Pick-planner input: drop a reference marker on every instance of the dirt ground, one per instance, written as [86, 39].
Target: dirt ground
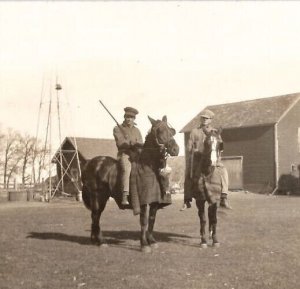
[46, 245]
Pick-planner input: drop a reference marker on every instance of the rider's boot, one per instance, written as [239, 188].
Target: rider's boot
[125, 198]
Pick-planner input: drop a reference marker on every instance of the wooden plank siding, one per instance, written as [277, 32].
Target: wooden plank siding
[256, 145]
[234, 166]
[288, 146]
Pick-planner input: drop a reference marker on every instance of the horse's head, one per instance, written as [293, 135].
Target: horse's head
[163, 135]
[213, 145]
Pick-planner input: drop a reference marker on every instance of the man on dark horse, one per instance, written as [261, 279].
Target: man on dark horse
[129, 142]
[195, 147]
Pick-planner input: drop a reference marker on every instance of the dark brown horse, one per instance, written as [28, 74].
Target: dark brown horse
[101, 180]
[209, 185]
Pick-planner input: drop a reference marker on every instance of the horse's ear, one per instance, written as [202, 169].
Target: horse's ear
[220, 129]
[153, 121]
[165, 118]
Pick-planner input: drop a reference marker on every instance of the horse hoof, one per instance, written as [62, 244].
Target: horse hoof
[154, 245]
[146, 249]
[203, 245]
[95, 242]
[216, 244]
[103, 245]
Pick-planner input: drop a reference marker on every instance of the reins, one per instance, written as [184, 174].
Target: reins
[160, 147]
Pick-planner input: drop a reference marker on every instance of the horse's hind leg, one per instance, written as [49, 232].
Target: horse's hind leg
[98, 204]
[144, 226]
[212, 217]
[151, 221]
[201, 214]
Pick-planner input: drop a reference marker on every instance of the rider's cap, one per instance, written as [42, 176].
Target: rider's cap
[130, 111]
[206, 113]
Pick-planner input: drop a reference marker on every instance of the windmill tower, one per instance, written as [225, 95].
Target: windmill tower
[56, 166]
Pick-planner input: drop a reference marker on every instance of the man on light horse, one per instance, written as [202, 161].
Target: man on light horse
[195, 147]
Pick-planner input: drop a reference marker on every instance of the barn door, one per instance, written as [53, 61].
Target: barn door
[234, 166]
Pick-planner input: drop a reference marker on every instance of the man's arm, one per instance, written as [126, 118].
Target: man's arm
[139, 138]
[190, 143]
[121, 141]
[138, 142]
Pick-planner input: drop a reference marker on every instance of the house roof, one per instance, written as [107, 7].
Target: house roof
[92, 147]
[264, 111]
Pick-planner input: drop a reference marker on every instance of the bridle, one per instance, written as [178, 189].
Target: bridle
[163, 147]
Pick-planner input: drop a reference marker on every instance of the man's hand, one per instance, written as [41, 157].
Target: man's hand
[136, 145]
[125, 146]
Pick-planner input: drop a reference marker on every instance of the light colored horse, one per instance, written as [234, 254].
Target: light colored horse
[210, 185]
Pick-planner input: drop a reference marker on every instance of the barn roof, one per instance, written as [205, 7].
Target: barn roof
[264, 111]
[91, 147]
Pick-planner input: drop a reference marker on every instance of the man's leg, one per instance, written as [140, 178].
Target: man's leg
[225, 183]
[125, 172]
[187, 193]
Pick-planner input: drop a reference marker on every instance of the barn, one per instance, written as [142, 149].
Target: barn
[87, 148]
[262, 142]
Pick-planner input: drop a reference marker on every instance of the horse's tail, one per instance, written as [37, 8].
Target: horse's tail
[86, 197]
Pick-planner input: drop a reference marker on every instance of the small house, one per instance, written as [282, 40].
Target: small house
[75, 152]
[261, 142]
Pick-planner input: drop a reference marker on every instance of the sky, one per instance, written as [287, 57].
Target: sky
[163, 58]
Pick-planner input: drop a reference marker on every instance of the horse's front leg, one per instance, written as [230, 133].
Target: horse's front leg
[212, 217]
[201, 213]
[144, 226]
[151, 222]
[97, 207]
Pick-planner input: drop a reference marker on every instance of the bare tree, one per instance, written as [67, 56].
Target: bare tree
[38, 161]
[27, 149]
[2, 146]
[12, 155]
[21, 155]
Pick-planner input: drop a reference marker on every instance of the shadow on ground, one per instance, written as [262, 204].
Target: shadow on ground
[111, 237]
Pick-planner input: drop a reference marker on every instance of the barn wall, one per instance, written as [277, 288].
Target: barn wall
[256, 145]
[289, 148]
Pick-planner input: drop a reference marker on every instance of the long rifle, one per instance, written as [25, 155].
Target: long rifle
[119, 126]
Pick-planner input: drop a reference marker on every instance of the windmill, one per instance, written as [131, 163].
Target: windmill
[56, 165]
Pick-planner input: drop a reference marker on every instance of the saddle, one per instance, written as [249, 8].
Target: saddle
[210, 186]
[144, 188]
